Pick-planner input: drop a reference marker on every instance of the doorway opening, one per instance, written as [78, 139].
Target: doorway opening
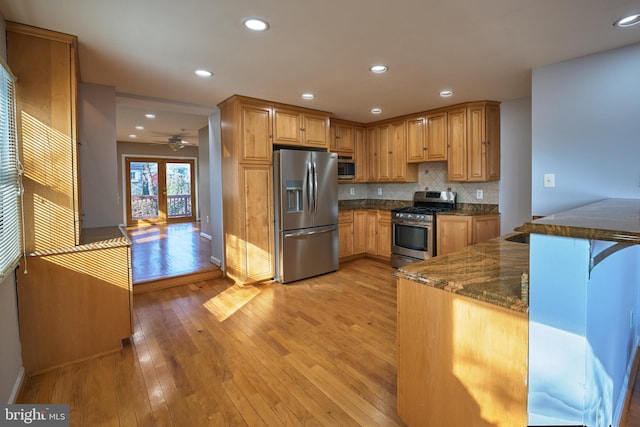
[160, 191]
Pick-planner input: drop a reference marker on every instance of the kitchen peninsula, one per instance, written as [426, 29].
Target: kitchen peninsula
[465, 332]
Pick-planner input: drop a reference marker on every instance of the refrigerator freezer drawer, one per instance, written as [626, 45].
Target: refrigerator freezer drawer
[307, 253]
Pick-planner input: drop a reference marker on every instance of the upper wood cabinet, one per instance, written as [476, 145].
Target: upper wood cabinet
[361, 155]
[342, 137]
[427, 138]
[474, 142]
[388, 156]
[45, 63]
[301, 128]
[255, 129]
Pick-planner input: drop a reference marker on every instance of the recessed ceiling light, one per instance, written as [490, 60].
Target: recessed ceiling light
[150, 116]
[379, 69]
[256, 24]
[628, 21]
[204, 73]
[139, 127]
[376, 110]
[133, 136]
[308, 96]
[446, 93]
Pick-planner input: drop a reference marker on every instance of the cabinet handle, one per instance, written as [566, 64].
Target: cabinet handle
[485, 142]
[425, 148]
[302, 129]
[390, 152]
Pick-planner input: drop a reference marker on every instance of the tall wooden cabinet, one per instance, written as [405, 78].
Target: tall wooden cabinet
[474, 142]
[46, 65]
[246, 130]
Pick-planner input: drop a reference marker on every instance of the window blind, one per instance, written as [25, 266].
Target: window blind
[10, 176]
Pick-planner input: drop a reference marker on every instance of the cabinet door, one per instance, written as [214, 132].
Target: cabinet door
[457, 138]
[436, 137]
[476, 147]
[287, 127]
[416, 140]
[360, 231]
[258, 221]
[384, 234]
[384, 154]
[373, 134]
[255, 125]
[492, 139]
[453, 233]
[372, 235]
[345, 234]
[398, 148]
[485, 227]
[344, 138]
[361, 155]
[315, 130]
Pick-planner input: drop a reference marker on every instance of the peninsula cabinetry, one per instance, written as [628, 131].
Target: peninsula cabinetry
[458, 231]
[468, 368]
[474, 142]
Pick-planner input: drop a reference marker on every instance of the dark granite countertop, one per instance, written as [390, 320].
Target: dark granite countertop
[348, 205]
[614, 220]
[490, 271]
[469, 209]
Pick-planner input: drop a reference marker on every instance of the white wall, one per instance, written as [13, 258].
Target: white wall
[98, 160]
[215, 176]
[10, 349]
[204, 186]
[515, 164]
[585, 118]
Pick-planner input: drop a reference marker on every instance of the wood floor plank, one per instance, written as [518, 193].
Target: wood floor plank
[319, 352]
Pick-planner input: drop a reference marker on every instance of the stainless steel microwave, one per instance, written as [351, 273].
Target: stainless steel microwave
[346, 168]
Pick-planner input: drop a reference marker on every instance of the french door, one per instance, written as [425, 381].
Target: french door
[160, 190]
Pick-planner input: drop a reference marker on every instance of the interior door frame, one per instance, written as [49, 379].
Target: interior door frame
[126, 188]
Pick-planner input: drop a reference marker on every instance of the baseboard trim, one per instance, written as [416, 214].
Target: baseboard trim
[215, 261]
[17, 386]
[206, 236]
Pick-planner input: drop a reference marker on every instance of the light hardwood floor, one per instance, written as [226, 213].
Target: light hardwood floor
[317, 352]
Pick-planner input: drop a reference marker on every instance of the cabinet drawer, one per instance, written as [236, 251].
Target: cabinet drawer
[345, 217]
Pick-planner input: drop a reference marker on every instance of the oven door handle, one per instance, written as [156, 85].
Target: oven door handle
[412, 223]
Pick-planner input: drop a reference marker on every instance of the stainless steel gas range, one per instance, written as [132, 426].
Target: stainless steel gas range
[413, 236]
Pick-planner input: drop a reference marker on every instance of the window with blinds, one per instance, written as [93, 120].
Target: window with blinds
[9, 175]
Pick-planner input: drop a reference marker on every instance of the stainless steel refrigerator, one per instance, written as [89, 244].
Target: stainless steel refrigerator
[306, 213]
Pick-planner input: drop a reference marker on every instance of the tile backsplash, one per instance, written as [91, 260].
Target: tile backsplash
[433, 177]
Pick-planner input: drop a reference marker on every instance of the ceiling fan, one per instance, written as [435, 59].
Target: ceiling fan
[175, 141]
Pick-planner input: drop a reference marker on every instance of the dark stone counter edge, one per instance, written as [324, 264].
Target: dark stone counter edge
[580, 232]
[91, 239]
[510, 303]
[463, 208]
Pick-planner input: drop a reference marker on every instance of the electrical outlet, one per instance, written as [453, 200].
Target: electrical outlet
[479, 194]
[549, 180]
[379, 191]
[352, 191]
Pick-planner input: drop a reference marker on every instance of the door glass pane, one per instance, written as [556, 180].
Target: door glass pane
[178, 190]
[144, 190]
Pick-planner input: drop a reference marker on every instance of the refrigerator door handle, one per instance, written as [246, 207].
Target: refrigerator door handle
[315, 188]
[309, 233]
[309, 187]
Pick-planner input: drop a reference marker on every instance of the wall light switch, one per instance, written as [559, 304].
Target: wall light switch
[352, 191]
[379, 191]
[549, 180]
[479, 194]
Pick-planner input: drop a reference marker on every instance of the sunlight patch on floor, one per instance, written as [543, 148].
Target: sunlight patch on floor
[232, 299]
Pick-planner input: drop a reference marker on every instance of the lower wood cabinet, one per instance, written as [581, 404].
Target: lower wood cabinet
[455, 232]
[461, 361]
[364, 231]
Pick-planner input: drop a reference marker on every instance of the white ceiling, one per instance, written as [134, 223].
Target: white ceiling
[481, 49]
